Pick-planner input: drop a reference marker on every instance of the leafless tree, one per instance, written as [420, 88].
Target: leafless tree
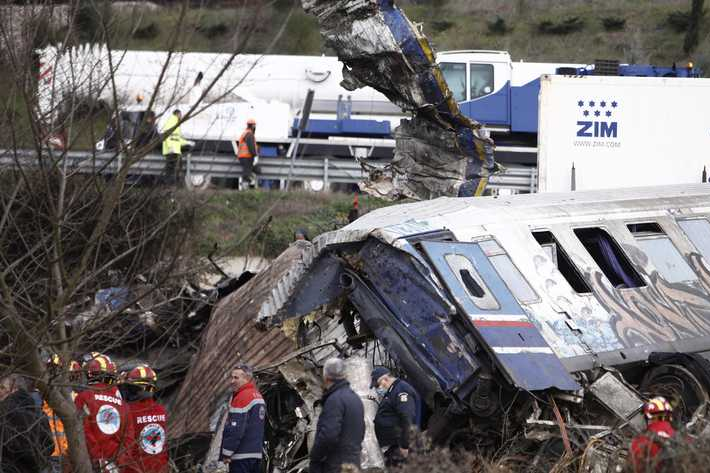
[69, 230]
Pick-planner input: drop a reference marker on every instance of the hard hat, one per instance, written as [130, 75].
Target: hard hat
[54, 361]
[251, 121]
[143, 376]
[657, 407]
[74, 366]
[100, 366]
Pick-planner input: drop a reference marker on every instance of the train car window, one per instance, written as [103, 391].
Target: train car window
[455, 75]
[481, 77]
[469, 278]
[698, 232]
[662, 252]
[508, 272]
[609, 257]
[559, 258]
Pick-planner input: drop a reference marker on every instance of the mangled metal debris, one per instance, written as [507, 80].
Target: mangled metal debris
[474, 309]
[439, 151]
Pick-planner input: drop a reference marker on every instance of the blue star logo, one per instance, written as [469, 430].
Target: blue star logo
[580, 103]
[591, 103]
[586, 113]
[602, 104]
[614, 104]
[596, 113]
[608, 113]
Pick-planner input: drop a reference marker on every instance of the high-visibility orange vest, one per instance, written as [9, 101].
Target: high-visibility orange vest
[57, 428]
[243, 151]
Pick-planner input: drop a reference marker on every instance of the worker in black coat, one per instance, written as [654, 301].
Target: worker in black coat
[26, 442]
[397, 412]
[341, 425]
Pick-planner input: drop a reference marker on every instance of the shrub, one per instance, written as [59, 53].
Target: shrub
[441, 25]
[611, 23]
[498, 26]
[213, 31]
[566, 26]
[150, 31]
[678, 21]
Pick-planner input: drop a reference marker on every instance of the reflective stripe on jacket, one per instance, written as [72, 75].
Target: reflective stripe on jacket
[172, 143]
[247, 145]
[243, 436]
[57, 428]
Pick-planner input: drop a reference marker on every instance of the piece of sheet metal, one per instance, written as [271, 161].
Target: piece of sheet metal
[503, 328]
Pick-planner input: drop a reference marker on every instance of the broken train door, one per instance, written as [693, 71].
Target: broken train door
[496, 318]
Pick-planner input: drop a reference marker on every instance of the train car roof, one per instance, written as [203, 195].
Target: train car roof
[459, 214]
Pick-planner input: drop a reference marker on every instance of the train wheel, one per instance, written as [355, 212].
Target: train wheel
[679, 386]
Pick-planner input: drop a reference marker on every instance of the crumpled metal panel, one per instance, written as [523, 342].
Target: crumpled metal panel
[285, 285]
[382, 49]
[233, 336]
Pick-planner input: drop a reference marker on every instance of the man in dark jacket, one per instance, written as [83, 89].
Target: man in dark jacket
[341, 425]
[25, 439]
[243, 437]
[397, 413]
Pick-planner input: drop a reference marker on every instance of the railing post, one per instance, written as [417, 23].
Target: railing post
[325, 173]
[188, 171]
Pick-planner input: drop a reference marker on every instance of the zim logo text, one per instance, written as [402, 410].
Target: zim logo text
[596, 120]
[597, 129]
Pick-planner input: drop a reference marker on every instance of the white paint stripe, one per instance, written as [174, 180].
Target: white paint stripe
[500, 318]
[520, 350]
[242, 410]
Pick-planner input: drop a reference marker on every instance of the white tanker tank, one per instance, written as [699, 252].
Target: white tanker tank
[270, 88]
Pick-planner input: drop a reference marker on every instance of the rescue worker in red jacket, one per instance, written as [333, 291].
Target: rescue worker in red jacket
[248, 152]
[243, 436]
[646, 447]
[105, 415]
[149, 446]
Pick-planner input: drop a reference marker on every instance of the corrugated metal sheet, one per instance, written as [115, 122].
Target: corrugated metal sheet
[233, 337]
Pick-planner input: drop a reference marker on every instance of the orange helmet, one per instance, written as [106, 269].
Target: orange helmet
[251, 121]
[100, 366]
[144, 376]
[657, 407]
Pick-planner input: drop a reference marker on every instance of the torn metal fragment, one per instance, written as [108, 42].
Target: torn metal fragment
[382, 49]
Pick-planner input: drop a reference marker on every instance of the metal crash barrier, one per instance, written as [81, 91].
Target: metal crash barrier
[201, 168]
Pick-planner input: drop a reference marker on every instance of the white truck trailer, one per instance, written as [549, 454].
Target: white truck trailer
[599, 132]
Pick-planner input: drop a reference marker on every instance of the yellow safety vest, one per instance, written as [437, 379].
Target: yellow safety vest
[172, 144]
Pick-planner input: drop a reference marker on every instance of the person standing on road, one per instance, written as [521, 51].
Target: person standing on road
[341, 425]
[243, 437]
[149, 446]
[397, 412]
[172, 146]
[248, 152]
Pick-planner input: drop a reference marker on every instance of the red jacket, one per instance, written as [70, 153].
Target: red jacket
[646, 446]
[106, 424]
[149, 448]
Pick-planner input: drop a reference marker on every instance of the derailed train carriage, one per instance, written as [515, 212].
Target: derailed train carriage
[548, 316]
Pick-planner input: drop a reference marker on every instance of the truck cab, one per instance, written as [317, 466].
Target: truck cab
[503, 95]
[493, 90]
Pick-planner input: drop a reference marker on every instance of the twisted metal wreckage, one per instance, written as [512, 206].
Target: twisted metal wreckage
[439, 151]
[537, 320]
[542, 318]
